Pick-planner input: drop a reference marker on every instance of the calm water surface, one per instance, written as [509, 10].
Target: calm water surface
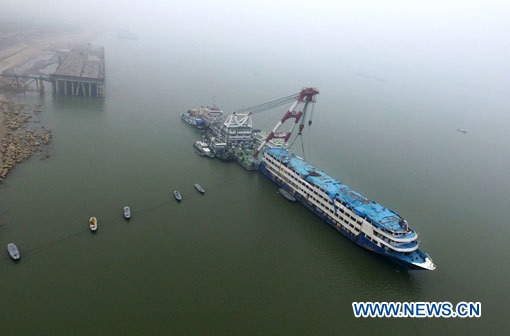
[240, 259]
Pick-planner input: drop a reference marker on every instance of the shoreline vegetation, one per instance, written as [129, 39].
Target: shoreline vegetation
[21, 51]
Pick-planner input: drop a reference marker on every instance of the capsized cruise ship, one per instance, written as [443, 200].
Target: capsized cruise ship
[365, 222]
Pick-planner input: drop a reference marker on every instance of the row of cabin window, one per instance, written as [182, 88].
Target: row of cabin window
[291, 183]
[343, 204]
[338, 224]
[377, 234]
[378, 243]
[348, 223]
[317, 200]
[328, 200]
[373, 240]
[342, 218]
[390, 232]
[388, 240]
[306, 185]
[355, 229]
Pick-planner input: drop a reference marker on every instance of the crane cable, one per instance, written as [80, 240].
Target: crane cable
[276, 101]
[302, 147]
[302, 144]
[269, 105]
[310, 126]
[292, 143]
[300, 134]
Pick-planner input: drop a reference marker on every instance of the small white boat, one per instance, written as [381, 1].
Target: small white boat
[177, 195]
[199, 188]
[287, 195]
[93, 224]
[127, 212]
[13, 251]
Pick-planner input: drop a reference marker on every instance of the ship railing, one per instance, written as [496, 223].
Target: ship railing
[401, 239]
[397, 248]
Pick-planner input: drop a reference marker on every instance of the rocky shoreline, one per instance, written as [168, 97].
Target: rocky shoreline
[19, 142]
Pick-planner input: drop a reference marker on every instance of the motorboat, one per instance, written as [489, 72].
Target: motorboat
[199, 188]
[13, 251]
[177, 195]
[286, 194]
[127, 212]
[93, 224]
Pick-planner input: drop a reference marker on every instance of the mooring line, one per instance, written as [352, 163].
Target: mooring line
[139, 212]
[106, 222]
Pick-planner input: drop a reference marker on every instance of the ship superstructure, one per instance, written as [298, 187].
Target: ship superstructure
[237, 129]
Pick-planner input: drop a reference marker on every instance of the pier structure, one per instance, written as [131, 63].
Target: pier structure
[80, 73]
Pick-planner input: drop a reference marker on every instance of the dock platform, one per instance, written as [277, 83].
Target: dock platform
[81, 73]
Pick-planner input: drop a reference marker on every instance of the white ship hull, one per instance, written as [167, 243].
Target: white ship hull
[401, 248]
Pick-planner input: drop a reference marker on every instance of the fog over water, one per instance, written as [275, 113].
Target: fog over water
[460, 44]
[396, 80]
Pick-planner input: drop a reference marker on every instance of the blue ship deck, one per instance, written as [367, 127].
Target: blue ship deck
[375, 213]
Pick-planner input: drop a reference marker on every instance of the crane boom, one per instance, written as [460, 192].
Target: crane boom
[305, 97]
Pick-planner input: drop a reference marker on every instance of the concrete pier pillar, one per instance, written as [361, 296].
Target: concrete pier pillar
[90, 90]
[100, 92]
[72, 88]
[65, 87]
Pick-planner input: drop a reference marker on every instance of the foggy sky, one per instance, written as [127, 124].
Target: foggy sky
[436, 59]
[449, 28]
[462, 41]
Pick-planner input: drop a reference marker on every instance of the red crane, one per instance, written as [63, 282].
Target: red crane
[304, 98]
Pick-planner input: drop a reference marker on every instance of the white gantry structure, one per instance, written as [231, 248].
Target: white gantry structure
[237, 129]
